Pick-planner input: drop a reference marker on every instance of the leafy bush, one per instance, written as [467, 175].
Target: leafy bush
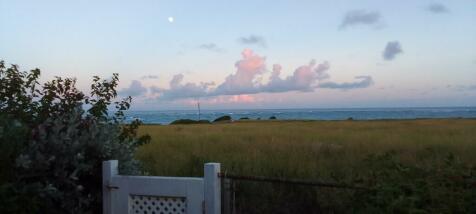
[52, 149]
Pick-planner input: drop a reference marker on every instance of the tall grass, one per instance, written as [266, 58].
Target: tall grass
[353, 152]
[302, 149]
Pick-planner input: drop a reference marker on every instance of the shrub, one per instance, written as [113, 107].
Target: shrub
[189, 121]
[396, 187]
[52, 149]
[224, 118]
[204, 122]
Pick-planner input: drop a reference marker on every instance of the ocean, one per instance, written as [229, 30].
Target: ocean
[166, 117]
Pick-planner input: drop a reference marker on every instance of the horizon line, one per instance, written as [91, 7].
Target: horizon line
[308, 108]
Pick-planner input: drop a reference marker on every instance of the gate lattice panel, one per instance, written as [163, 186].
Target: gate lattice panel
[140, 204]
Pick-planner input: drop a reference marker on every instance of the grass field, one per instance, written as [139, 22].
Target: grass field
[419, 176]
[302, 149]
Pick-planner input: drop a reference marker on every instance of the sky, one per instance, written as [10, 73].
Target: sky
[253, 54]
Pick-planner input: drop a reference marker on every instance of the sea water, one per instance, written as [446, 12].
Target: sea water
[166, 117]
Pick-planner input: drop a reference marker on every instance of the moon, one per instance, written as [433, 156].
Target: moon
[171, 19]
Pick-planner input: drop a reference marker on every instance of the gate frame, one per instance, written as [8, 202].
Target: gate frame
[205, 191]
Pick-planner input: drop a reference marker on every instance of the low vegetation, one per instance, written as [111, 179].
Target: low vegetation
[412, 165]
[189, 121]
[224, 118]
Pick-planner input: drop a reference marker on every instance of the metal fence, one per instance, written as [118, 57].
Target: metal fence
[258, 194]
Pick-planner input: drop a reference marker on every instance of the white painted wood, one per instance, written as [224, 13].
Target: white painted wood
[109, 170]
[189, 188]
[118, 189]
[212, 189]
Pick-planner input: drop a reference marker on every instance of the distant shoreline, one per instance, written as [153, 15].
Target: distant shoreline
[310, 108]
[293, 120]
[166, 117]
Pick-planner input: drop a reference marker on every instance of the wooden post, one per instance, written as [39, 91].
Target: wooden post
[109, 169]
[212, 188]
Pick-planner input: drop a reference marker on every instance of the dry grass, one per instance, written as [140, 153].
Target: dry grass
[302, 149]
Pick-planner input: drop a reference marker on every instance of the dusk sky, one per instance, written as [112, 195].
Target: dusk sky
[253, 54]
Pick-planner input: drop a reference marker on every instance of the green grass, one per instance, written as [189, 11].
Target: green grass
[302, 149]
[421, 175]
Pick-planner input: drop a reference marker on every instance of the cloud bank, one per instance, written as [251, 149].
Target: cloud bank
[179, 90]
[247, 80]
[437, 8]
[392, 49]
[135, 89]
[149, 77]
[462, 87]
[211, 47]
[253, 40]
[360, 82]
[361, 17]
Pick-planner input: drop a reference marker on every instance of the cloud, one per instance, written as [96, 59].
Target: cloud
[253, 40]
[462, 87]
[243, 98]
[437, 8]
[149, 77]
[178, 90]
[211, 47]
[361, 17]
[392, 49]
[135, 89]
[247, 79]
[304, 78]
[361, 82]
[243, 80]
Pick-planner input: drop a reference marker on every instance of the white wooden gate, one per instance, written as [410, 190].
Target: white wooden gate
[160, 195]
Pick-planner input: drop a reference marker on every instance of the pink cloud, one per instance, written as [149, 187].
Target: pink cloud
[247, 80]
[238, 99]
[304, 78]
[243, 80]
[243, 98]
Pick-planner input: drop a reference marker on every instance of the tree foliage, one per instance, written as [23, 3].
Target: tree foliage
[53, 139]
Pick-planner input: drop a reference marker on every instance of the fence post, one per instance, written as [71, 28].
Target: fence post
[226, 195]
[212, 188]
[109, 169]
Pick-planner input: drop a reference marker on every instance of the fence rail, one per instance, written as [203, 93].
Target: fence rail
[288, 181]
